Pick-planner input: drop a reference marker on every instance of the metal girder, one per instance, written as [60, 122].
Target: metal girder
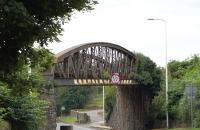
[92, 60]
[90, 82]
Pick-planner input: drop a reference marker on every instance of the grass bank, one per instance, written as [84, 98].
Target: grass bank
[67, 119]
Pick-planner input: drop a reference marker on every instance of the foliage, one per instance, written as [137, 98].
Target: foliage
[41, 59]
[21, 81]
[178, 69]
[24, 112]
[181, 74]
[110, 100]
[67, 119]
[147, 74]
[74, 97]
[25, 22]
[19, 97]
[80, 97]
[106, 75]
[95, 101]
[159, 106]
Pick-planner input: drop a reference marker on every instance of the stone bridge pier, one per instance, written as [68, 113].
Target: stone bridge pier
[128, 113]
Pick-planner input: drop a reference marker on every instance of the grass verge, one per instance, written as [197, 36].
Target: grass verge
[67, 119]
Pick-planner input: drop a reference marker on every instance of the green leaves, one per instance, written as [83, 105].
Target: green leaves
[181, 74]
[19, 98]
[75, 97]
[25, 22]
[26, 110]
[147, 74]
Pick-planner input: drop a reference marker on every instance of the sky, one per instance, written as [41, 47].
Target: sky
[124, 22]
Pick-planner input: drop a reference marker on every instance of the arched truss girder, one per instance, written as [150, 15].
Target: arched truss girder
[94, 61]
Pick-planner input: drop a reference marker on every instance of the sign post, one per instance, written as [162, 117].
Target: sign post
[62, 109]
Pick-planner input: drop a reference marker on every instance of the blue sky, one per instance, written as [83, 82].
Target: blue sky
[123, 22]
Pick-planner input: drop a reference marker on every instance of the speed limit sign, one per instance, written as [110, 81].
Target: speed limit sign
[115, 78]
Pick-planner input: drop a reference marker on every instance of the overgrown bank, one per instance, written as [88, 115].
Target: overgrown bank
[183, 76]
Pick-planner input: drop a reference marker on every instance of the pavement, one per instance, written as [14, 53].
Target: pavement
[94, 115]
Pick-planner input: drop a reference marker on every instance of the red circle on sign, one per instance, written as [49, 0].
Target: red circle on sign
[115, 78]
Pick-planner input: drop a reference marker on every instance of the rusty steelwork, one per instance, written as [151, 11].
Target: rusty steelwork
[94, 61]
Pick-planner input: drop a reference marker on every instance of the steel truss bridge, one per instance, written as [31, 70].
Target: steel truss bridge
[92, 64]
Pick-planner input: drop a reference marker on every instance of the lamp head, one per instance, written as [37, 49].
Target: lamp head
[150, 19]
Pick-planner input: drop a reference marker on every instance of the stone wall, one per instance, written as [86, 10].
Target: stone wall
[48, 95]
[81, 116]
[128, 113]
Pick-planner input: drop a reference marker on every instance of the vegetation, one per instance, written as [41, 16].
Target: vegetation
[20, 104]
[147, 75]
[110, 100]
[25, 22]
[67, 119]
[80, 97]
[95, 101]
[181, 75]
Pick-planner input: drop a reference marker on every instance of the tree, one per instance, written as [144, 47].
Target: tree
[25, 22]
[24, 112]
[20, 103]
[74, 97]
[147, 75]
[181, 74]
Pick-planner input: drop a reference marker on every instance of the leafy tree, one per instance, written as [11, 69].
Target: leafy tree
[181, 73]
[25, 22]
[19, 97]
[24, 112]
[74, 97]
[149, 78]
[147, 75]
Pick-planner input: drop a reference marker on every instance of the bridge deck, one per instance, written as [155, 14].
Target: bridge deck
[83, 82]
[90, 82]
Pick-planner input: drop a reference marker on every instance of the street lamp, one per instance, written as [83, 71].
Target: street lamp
[166, 68]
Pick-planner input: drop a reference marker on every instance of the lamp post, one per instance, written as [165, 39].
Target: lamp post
[103, 105]
[166, 68]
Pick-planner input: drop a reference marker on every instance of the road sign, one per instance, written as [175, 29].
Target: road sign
[190, 91]
[115, 78]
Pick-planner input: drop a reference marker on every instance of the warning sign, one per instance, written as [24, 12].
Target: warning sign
[115, 78]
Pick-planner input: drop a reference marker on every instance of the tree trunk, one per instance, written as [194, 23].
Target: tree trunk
[128, 114]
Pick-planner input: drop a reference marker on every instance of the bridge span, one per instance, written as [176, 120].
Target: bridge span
[93, 64]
